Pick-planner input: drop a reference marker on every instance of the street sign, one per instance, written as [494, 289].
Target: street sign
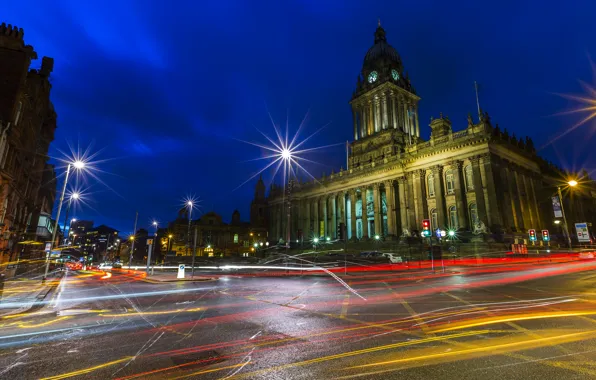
[583, 236]
[48, 247]
[149, 241]
[180, 271]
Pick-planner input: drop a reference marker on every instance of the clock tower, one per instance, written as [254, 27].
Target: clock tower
[384, 105]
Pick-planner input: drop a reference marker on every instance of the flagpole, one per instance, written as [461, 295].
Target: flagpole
[477, 101]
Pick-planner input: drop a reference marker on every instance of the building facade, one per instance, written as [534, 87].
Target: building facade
[479, 178]
[27, 125]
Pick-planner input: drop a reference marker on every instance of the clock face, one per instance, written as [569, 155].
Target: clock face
[372, 77]
[395, 74]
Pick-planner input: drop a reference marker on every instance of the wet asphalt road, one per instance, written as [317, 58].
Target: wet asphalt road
[524, 322]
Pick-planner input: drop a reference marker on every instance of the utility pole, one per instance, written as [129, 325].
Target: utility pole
[564, 217]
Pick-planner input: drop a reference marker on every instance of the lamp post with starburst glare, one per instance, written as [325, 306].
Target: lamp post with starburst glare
[78, 165]
[287, 154]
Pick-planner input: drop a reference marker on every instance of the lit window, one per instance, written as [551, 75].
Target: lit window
[450, 182]
[453, 218]
[434, 219]
[235, 238]
[469, 178]
[431, 185]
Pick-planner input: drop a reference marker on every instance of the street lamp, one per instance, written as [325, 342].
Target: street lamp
[73, 197]
[78, 164]
[189, 204]
[570, 183]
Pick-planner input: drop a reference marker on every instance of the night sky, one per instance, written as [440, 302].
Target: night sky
[164, 89]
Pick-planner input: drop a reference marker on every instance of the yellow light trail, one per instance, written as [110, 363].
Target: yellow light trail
[31, 326]
[153, 312]
[513, 318]
[366, 351]
[524, 344]
[87, 370]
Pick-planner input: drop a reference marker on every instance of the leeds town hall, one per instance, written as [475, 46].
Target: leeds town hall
[478, 178]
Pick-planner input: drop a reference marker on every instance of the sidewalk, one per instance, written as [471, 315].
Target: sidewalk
[22, 295]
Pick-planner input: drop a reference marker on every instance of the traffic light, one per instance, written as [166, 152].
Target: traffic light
[532, 234]
[426, 228]
[545, 236]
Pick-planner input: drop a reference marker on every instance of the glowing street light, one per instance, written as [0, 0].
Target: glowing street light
[571, 183]
[79, 165]
[377, 237]
[451, 233]
[315, 240]
[557, 221]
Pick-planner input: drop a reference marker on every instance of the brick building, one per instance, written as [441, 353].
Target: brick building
[27, 125]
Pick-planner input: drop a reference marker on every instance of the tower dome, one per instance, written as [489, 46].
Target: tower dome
[382, 64]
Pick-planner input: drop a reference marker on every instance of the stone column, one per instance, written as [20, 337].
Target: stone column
[422, 203]
[460, 195]
[523, 204]
[363, 192]
[515, 208]
[371, 119]
[352, 193]
[494, 213]
[405, 117]
[393, 109]
[377, 209]
[316, 223]
[307, 229]
[355, 118]
[539, 220]
[332, 217]
[377, 114]
[403, 208]
[416, 117]
[363, 121]
[527, 190]
[390, 195]
[411, 207]
[341, 212]
[479, 190]
[439, 196]
[385, 116]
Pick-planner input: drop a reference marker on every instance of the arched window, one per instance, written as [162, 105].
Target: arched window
[453, 218]
[473, 214]
[469, 178]
[450, 181]
[434, 220]
[235, 238]
[430, 180]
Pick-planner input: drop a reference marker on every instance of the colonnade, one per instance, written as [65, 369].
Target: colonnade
[385, 110]
[457, 195]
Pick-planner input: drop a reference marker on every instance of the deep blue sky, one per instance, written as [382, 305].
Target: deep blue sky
[165, 87]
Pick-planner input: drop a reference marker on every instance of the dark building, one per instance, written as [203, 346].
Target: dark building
[27, 125]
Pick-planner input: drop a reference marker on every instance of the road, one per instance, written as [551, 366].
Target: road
[520, 322]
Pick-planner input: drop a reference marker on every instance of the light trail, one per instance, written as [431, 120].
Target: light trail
[515, 318]
[513, 346]
[14, 305]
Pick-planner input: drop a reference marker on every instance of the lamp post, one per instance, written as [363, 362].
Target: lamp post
[73, 197]
[77, 165]
[571, 183]
[189, 204]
